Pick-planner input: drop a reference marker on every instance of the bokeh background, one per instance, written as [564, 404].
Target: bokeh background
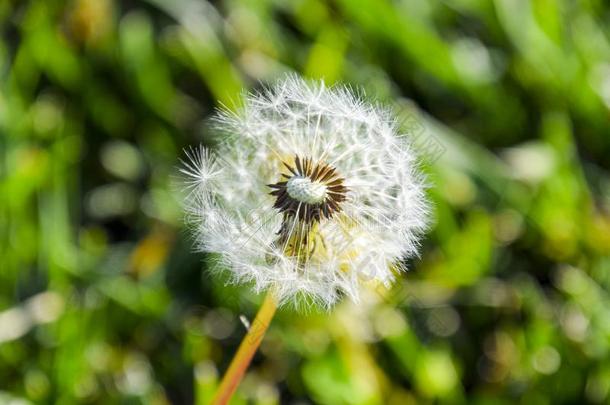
[102, 299]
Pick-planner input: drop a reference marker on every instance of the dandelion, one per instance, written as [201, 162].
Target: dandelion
[311, 195]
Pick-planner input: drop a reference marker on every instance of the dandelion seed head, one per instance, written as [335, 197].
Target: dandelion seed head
[312, 192]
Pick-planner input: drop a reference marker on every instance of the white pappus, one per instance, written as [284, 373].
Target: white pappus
[312, 192]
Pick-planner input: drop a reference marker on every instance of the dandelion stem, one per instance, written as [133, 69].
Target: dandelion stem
[246, 351]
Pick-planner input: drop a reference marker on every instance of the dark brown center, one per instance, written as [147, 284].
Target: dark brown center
[310, 191]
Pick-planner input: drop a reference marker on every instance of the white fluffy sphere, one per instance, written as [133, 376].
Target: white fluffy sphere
[311, 192]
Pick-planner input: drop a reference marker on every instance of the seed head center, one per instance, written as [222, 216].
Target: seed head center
[312, 191]
[302, 189]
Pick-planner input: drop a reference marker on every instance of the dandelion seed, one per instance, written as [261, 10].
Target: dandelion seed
[312, 192]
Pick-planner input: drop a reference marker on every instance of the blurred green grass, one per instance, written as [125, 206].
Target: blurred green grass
[103, 301]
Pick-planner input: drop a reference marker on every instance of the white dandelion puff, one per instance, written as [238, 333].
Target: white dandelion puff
[312, 192]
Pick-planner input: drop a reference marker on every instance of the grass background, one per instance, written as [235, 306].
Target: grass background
[103, 301]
